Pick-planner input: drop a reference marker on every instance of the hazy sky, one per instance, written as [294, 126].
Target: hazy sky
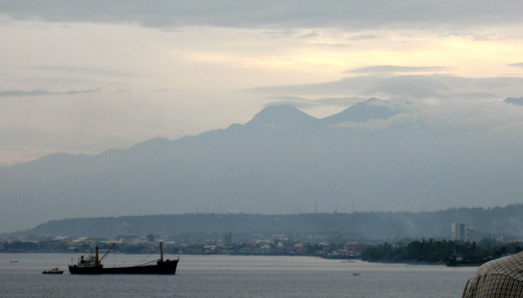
[86, 76]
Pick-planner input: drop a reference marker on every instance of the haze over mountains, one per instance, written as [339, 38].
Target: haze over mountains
[373, 156]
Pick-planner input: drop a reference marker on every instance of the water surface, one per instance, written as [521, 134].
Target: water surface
[232, 276]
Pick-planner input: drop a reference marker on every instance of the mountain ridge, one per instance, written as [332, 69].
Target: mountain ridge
[361, 112]
[300, 165]
[361, 226]
[516, 101]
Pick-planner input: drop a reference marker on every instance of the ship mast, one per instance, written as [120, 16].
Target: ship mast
[161, 252]
[97, 261]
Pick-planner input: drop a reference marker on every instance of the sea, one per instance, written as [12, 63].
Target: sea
[232, 276]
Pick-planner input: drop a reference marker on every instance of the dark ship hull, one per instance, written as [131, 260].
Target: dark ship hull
[93, 265]
[460, 262]
[53, 271]
[165, 267]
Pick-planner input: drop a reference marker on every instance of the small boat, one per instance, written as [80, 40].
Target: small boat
[461, 262]
[13, 261]
[93, 265]
[53, 271]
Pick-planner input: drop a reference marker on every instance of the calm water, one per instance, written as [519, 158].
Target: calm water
[232, 276]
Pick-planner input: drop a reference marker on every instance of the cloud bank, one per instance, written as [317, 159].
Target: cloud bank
[415, 87]
[395, 69]
[308, 13]
[42, 92]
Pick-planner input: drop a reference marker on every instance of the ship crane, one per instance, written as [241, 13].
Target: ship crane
[99, 261]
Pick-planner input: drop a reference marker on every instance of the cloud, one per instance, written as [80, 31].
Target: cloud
[42, 92]
[395, 69]
[420, 87]
[363, 37]
[304, 103]
[161, 90]
[84, 70]
[411, 87]
[483, 121]
[294, 13]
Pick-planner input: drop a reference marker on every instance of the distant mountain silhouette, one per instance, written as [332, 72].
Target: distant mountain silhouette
[282, 117]
[517, 101]
[362, 112]
[282, 161]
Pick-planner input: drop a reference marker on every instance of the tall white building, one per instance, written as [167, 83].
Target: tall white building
[459, 232]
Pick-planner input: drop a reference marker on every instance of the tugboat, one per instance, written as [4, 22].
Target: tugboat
[459, 261]
[53, 271]
[93, 265]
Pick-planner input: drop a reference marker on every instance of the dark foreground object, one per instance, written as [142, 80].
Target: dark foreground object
[93, 265]
[501, 278]
[459, 262]
[165, 267]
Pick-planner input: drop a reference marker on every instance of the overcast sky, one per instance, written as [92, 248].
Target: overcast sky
[87, 76]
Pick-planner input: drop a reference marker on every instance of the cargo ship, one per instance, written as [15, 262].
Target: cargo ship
[93, 265]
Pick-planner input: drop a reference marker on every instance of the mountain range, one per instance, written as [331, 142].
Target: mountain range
[365, 158]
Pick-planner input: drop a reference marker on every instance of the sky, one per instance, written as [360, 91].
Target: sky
[88, 76]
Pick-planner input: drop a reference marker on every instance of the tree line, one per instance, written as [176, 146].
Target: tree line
[440, 251]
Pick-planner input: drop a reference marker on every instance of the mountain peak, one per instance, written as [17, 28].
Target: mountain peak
[516, 101]
[280, 116]
[362, 112]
